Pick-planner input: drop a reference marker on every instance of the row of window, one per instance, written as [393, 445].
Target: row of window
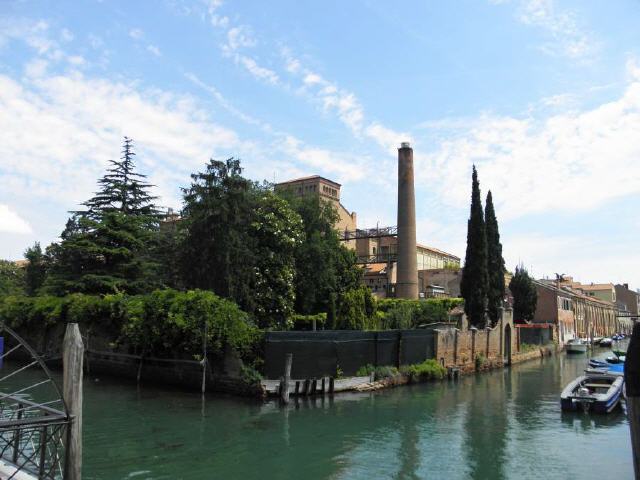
[330, 191]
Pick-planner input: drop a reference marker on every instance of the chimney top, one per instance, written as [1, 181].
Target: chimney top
[405, 145]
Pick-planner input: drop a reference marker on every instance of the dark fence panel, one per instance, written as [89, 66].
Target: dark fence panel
[416, 346]
[387, 348]
[535, 336]
[321, 353]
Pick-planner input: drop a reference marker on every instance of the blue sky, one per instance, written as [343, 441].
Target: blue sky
[542, 95]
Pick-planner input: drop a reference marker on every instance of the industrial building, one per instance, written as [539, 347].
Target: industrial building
[381, 250]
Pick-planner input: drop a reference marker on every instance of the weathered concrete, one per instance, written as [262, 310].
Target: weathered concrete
[407, 277]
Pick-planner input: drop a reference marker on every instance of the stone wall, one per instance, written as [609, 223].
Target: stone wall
[461, 348]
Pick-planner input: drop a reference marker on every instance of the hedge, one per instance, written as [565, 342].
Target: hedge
[403, 313]
[165, 323]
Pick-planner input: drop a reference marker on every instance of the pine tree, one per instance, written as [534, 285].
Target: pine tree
[474, 283]
[123, 190]
[109, 247]
[525, 296]
[495, 262]
[36, 269]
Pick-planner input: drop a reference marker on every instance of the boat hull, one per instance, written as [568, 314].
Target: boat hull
[576, 348]
[580, 393]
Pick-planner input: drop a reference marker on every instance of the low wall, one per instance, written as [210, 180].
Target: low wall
[179, 373]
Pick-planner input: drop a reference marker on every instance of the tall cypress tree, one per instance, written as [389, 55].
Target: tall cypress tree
[495, 262]
[474, 283]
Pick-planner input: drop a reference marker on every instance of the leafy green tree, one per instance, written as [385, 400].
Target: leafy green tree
[35, 270]
[356, 310]
[325, 268]
[109, 247]
[218, 252]
[495, 262]
[277, 230]
[474, 283]
[11, 278]
[525, 296]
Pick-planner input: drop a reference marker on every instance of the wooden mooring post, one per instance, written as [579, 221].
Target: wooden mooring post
[632, 384]
[286, 379]
[72, 357]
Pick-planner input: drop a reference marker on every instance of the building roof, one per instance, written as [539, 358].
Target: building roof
[435, 250]
[594, 286]
[311, 177]
[375, 268]
[550, 284]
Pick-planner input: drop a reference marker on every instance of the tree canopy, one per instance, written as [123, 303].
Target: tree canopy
[525, 296]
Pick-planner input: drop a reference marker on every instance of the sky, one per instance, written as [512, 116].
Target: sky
[543, 96]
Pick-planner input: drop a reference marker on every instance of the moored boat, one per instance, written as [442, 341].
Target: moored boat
[597, 392]
[576, 345]
[605, 342]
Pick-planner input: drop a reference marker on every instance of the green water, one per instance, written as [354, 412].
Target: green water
[504, 424]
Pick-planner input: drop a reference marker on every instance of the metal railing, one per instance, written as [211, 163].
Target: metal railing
[33, 417]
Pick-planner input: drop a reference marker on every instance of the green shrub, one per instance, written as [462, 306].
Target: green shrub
[383, 372]
[365, 370]
[249, 375]
[164, 323]
[403, 314]
[356, 310]
[427, 370]
[480, 360]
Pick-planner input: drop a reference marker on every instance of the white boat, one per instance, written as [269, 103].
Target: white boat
[576, 345]
[605, 342]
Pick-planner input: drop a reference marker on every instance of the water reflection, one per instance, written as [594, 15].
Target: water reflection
[498, 425]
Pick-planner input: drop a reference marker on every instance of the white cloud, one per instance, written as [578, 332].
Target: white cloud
[566, 162]
[240, 37]
[59, 131]
[568, 38]
[11, 222]
[154, 50]
[256, 70]
[136, 33]
[66, 35]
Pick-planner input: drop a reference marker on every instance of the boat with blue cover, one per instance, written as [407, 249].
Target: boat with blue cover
[595, 391]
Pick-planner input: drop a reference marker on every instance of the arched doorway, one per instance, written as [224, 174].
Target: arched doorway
[507, 345]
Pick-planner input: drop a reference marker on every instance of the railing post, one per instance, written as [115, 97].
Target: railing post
[16, 438]
[72, 391]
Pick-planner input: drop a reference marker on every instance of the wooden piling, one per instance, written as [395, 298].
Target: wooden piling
[297, 387]
[331, 384]
[307, 386]
[314, 386]
[73, 351]
[632, 384]
[286, 379]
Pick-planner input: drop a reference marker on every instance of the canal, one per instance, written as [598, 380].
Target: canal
[499, 425]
